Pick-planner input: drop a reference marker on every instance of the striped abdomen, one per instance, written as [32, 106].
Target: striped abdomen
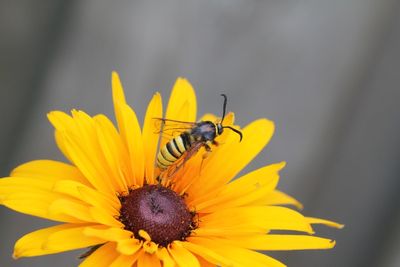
[173, 150]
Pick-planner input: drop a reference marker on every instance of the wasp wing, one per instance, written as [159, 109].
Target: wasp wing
[171, 128]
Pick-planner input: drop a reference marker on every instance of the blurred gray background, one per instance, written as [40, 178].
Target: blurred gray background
[327, 72]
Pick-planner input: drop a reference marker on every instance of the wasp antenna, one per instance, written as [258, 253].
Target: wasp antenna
[236, 131]
[224, 107]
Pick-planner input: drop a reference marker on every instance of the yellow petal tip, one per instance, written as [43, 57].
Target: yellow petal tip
[157, 94]
[150, 247]
[329, 223]
[282, 165]
[156, 97]
[181, 78]
[117, 88]
[50, 113]
[144, 235]
[269, 122]
[340, 226]
[114, 76]
[15, 256]
[56, 117]
[335, 225]
[183, 85]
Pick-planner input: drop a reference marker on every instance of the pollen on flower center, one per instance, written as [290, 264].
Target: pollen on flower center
[157, 210]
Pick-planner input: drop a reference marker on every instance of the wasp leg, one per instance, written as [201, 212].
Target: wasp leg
[205, 155]
[207, 146]
[215, 143]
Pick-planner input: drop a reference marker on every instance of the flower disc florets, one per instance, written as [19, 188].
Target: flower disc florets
[157, 210]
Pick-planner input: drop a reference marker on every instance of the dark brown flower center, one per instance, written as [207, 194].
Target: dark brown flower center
[159, 211]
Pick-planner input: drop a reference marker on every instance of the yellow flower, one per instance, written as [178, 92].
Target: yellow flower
[108, 199]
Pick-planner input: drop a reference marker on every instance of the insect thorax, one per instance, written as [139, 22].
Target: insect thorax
[204, 131]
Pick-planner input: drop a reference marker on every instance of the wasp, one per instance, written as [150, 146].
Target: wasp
[195, 135]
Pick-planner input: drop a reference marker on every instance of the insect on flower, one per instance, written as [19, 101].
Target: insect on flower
[192, 136]
[108, 199]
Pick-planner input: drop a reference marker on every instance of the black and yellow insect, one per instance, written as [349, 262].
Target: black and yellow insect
[194, 136]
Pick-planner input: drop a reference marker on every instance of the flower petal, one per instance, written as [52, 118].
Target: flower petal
[207, 253]
[125, 260]
[239, 256]
[129, 246]
[100, 216]
[254, 219]
[242, 191]
[115, 153]
[182, 94]
[312, 220]
[166, 259]
[95, 147]
[204, 263]
[107, 234]
[49, 170]
[135, 145]
[117, 90]
[151, 136]
[148, 260]
[277, 197]
[10, 185]
[280, 242]
[82, 212]
[126, 244]
[61, 121]
[101, 257]
[255, 136]
[31, 197]
[88, 195]
[182, 256]
[53, 239]
[61, 145]
[72, 208]
[70, 239]
[84, 150]
[182, 105]
[130, 132]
